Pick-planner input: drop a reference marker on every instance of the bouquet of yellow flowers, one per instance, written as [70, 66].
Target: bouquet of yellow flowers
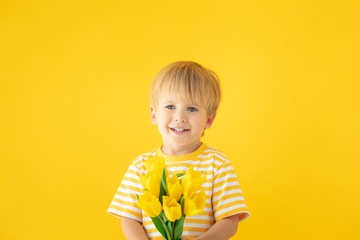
[168, 200]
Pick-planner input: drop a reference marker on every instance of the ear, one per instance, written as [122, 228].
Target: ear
[210, 121]
[153, 115]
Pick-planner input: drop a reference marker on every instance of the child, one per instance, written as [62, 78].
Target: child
[184, 98]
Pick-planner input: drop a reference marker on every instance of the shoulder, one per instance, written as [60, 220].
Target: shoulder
[140, 159]
[220, 160]
[216, 154]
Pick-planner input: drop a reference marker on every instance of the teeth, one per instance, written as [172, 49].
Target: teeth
[179, 129]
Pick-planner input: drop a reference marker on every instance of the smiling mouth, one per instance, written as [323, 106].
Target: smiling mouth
[179, 130]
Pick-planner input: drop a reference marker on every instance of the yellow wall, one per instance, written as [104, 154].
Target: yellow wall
[74, 79]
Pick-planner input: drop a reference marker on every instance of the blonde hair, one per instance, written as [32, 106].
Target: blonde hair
[191, 81]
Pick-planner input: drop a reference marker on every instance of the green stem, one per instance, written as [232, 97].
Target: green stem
[173, 229]
[165, 227]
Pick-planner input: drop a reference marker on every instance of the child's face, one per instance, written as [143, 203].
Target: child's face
[181, 123]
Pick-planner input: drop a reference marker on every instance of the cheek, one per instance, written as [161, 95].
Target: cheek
[199, 122]
[163, 118]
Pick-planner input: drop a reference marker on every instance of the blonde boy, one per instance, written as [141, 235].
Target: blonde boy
[184, 98]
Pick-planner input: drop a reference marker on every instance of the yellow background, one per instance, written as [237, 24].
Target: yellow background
[74, 79]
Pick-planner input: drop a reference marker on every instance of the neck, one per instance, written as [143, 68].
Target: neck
[181, 150]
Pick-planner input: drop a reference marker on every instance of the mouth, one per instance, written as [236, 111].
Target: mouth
[179, 130]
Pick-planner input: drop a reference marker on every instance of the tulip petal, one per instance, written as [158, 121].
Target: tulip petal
[172, 208]
[174, 187]
[194, 204]
[192, 181]
[150, 204]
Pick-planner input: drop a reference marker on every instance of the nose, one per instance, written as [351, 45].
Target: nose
[179, 116]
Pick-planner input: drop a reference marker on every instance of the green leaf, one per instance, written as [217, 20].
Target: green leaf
[159, 226]
[162, 193]
[163, 182]
[169, 227]
[137, 196]
[180, 174]
[182, 203]
[179, 225]
[163, 190]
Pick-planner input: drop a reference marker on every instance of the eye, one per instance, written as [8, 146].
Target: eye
[191, 109]
[170, 107]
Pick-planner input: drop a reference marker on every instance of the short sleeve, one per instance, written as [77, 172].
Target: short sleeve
[124, 201]
[227, 198]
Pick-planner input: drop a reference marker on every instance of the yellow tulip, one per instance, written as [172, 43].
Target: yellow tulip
[192, 181]
[174, 187]
[150, 204]
[194, 204]
[155, 165]
[172, 209]
[151, 182]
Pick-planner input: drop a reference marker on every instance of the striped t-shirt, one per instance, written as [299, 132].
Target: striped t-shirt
[224, 197]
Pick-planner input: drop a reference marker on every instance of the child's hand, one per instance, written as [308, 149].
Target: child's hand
[184, 238]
